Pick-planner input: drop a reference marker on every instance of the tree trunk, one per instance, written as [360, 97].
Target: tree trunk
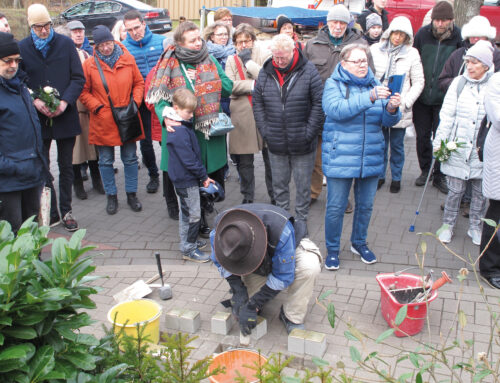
[466, 10]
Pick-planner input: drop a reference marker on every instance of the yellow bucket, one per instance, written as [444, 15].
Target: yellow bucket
[144, 312]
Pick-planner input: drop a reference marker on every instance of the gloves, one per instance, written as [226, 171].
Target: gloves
[264, 295]
[240, 294]
[248, 318]
[245, 55]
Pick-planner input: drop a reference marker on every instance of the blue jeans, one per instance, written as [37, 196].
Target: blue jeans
[189, 217]
[129, 158]
[337, 195]
[301, 166]
[396, 138]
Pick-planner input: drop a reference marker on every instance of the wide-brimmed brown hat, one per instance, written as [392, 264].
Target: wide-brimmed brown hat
[240, 242]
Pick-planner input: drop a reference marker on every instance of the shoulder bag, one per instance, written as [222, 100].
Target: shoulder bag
[481, 137]
[126, 117]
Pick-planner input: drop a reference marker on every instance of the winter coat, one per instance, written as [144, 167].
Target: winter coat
[123, 80]
[459, 120]
[289, 120]
[245, 138]
[155, 122]
[21, 146]
[61, 69]
[324, 55]
[407, 62]
[455, 66]
[353, 143]
[491, 164]
[361, 20]
[146, 52]
[434, 54]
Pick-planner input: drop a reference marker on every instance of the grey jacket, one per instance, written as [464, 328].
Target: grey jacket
[491, 164]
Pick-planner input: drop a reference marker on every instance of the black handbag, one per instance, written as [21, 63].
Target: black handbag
[481, 137]
[126, 117]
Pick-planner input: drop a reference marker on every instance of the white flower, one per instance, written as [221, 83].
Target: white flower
[452, 145]
[29, 90]
[48, 89]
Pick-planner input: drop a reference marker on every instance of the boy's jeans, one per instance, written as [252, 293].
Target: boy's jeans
[189, 217]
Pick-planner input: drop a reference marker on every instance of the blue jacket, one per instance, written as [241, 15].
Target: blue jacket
[146, 51]
[87, 47]
[61, 69]
[185, 168]
[353, 143]
[21, 147]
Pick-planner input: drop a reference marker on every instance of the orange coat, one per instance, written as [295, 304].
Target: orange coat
[124, 79]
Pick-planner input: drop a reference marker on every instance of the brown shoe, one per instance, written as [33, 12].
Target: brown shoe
[349, 209]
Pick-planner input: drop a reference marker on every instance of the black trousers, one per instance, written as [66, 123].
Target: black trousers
[18, 206]
[489, 264]
[426, 121]
[169, 191]
[147, 150]
[64, 161]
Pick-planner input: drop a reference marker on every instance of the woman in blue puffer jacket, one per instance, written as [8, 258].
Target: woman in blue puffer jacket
[356, 108]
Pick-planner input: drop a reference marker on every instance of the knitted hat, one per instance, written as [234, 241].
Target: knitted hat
[8, 46]
[442, 11]
[372, 20]
[75, 24]
[101, 34]
[479, 26]
[38, 14]
[339, 12]
[282, 20]
[483, 51]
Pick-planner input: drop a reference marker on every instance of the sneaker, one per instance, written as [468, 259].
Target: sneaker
[420, 181]
[200, 244]
[69, 222]
[153, 184]
[445, 233]
[381, 181]
[395, 187]
[197, 256]
[440, 184]
[332, 261]
[475, 234]
[54, 220]
[112, 204]
[133, 202]
[365, 253]
[349, 209]
[289, 325]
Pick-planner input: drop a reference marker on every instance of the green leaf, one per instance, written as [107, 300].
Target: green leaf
[87, 339]
[20, 332]
[5, 320]
[319, 362]
[489, 222]
[404, 377]
[401, 315]
[31, 319]
[386, 334]
[9, 365]
[481, 375]
[325, 294]
[55, 294]
[67, 333]
[43, 362]
[76, 238]
[423, 246]
[442, 228]
[350, 336]
[291, 379]
[15, 352]
[110, 374]
[340, 365]
[44, 271]
[331, 314]
[1, 339]
[462, 319]
[81, 360]
[414, 359]
[355, 355]
[418, 378]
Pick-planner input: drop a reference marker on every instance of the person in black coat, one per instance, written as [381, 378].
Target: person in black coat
[50, 59]
[376, 6]
[288, 114]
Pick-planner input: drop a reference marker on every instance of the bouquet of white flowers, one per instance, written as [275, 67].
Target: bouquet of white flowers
[50, 96]
[445, 149]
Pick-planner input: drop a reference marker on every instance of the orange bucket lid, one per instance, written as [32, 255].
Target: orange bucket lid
[236, 360]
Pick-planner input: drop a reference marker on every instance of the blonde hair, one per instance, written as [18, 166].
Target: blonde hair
[185, 99]
[116, 31]
[221, 13]
[282, 42]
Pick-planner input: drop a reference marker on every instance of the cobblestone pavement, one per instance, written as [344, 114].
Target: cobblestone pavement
[127, 241]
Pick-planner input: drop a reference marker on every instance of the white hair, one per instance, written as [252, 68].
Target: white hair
[282, 42]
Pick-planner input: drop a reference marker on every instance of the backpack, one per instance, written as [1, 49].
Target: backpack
[481, 137]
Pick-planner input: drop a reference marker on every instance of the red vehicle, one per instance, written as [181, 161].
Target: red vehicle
[415, 10]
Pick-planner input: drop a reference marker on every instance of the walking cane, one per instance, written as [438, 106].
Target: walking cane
[417, 212]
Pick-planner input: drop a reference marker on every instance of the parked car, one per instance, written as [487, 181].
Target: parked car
[415, 10]
[92, 13]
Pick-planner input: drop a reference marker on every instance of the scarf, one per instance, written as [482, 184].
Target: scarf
[445, 35]
[336, 40]
[112, 58]
[350, 79]
[207, 84]
[283, 72]
[221, 52]
[42, 44]
[392, 52]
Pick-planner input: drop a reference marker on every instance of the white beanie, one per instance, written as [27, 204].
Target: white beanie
[339, 12]
[479, 26]
[483, 51]
[38, 14]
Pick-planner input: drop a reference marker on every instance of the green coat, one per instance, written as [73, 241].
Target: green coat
[213, 151]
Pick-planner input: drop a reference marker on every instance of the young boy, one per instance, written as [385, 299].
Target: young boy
[373, 28]
[186, 171]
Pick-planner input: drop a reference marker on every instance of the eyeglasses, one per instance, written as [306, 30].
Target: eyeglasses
[39, 28]
[16, 60]
[358, 62]
[134, 29]
[221, 34]
[241, 42]
[106, 44]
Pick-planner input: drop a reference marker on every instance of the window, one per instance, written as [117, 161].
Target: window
[79, 9]
[106, 7]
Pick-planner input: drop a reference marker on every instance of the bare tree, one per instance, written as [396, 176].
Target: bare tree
[466, 10]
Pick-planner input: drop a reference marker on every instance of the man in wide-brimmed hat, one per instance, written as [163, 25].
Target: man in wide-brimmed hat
[254, 247]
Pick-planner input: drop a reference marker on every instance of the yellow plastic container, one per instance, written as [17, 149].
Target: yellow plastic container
[144, 312]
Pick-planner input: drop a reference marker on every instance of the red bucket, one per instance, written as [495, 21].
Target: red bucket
[389, 306]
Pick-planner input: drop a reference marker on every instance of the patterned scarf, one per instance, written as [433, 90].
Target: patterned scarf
[112, 58]
[42, 44]
[207, 84]
[392, 52]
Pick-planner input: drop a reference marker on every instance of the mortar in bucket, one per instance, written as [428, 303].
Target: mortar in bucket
[142, 312]
[389, 306]
[235, 360]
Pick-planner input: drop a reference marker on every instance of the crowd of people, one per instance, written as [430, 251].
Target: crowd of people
[322, 111]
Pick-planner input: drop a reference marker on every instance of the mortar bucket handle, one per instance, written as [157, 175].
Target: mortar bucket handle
[441, 281]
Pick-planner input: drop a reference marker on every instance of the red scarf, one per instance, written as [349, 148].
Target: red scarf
[281, 76]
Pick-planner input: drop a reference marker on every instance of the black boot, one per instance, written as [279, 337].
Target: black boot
[204, 229]
[112, 205]
[79, 189]
[133, 202]
[96, 177]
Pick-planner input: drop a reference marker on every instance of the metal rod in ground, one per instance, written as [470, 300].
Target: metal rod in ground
[417, 212]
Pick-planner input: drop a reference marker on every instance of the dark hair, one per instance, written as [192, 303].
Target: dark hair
[244, 29]
[2, 16]
[185, 99]
[183, 28]
[132, 15]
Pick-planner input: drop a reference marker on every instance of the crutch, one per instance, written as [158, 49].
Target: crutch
[417, 212]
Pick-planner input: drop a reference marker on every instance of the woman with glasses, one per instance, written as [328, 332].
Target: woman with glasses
[356, 107]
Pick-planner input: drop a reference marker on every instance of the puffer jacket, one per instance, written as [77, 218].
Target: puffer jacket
[289, 119]
[407, 62]
[361, 20]
[459, 120]
[123, 80]
[491, 164]
[353, 143]
[147, 51]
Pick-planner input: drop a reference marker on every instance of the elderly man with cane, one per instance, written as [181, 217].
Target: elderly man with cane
[254, 248]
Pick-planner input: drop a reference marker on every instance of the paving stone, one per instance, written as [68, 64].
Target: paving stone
[222, 322]
[189, 321]
[172, 319]
[314, 343]
[296, 341]
[260, 330]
